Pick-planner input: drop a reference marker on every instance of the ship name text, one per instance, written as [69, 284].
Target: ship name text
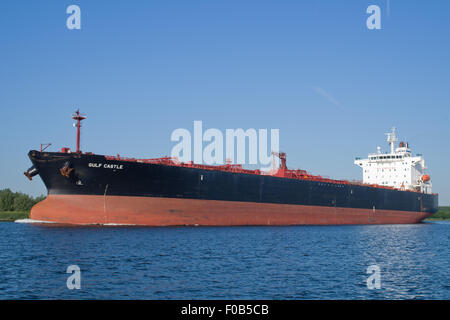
[106, 165]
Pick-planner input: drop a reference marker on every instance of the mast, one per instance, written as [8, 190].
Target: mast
[392, 139]
[282, 156]
[77, 116]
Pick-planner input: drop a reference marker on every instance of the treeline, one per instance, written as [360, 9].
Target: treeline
[17, 201]
[443, 213]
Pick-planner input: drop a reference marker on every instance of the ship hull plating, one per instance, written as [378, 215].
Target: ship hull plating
[89, 189]
[148, 211]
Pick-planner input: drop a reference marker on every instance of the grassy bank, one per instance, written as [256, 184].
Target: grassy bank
[13, 215]
[442, 214]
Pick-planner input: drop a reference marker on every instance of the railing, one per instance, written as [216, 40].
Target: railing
[237, 168]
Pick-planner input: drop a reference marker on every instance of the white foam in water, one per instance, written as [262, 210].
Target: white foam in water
[117, 224]
[32, 221]
[89, 224]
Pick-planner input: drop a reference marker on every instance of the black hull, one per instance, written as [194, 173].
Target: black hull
[132, 179]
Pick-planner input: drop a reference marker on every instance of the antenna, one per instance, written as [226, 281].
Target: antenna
[79, 117]
[392, 139]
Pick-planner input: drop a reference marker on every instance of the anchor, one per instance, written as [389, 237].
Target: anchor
[66, 170]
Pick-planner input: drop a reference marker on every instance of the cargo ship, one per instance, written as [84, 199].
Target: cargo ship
[86, 188]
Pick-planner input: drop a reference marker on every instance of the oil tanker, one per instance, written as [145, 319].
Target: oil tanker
[86, 188]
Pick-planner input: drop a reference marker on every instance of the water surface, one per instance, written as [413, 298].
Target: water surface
[302, 262]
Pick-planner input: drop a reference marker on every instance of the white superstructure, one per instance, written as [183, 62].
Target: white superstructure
[398, 168]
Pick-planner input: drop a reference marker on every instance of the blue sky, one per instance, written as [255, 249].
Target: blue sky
[141, 69]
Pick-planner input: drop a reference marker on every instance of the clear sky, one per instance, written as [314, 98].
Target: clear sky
[140, 69]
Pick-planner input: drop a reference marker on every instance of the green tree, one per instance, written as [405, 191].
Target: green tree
[22, 202]
[6, 200]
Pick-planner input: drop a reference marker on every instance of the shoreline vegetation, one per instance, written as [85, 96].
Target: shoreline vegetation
[442, 214]
[11, 216]
[16, 205]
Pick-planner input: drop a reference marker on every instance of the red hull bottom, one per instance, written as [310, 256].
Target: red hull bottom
[75, 209]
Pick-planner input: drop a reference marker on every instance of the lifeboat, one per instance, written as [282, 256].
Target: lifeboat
[425, 178]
